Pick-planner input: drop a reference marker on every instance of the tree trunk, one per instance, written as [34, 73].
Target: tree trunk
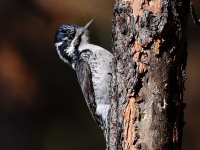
[150, 54]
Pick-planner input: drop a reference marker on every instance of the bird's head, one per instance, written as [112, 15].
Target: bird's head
[68, 38]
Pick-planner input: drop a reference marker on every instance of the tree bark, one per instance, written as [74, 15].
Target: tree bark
[150, 54]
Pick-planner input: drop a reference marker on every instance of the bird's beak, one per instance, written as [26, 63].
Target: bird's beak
[79, 34]
[87, 25]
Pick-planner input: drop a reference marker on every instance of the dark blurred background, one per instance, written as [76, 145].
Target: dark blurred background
[41, 104]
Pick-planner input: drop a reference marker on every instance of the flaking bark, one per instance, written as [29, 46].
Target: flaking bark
[150, 54]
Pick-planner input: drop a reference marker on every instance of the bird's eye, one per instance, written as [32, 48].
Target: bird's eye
[70, 37]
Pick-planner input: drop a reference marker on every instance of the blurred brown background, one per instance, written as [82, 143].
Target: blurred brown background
[41, 104]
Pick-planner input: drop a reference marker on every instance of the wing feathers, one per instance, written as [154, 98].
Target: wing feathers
[84, 76]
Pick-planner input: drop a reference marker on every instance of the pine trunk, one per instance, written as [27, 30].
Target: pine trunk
[150, 54]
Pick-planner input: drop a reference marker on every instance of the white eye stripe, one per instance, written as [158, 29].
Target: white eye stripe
[65, 38]
[70, 37]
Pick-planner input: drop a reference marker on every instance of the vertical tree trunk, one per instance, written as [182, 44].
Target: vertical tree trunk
[150, 54]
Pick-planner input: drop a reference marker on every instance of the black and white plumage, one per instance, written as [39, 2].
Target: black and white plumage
[93, 68]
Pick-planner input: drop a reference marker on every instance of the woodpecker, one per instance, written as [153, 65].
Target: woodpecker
[92, 64]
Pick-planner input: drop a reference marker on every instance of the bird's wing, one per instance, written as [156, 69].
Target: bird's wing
[84, 76]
